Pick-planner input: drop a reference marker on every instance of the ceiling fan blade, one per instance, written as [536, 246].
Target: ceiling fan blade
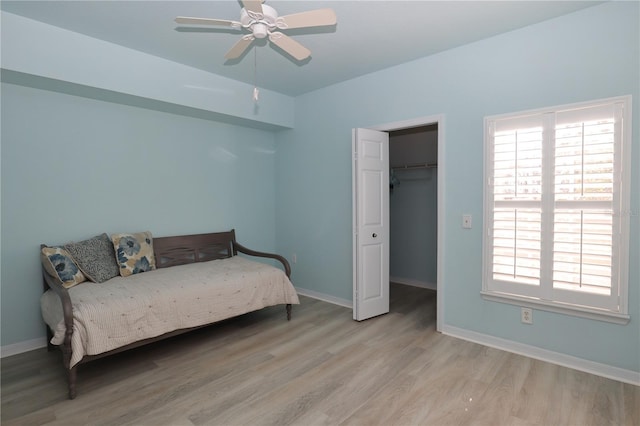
[238, 49]
[312, 18]
[290, 46]
[207, 21]
[254, 6]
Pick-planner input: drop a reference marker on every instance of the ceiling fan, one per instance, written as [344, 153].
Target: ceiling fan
[262, 21]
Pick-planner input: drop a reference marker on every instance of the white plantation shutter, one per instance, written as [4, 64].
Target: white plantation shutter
[554, 206]
[517, 200]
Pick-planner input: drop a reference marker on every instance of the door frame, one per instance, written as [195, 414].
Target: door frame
[438, 119]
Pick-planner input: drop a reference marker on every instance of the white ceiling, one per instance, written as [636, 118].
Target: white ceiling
[369, 36]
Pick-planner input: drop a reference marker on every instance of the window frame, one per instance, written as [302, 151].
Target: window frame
[542, 296]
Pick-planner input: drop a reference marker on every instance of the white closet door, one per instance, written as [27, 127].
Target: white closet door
[370, 223]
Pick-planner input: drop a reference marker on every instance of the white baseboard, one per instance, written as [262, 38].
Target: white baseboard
[414, 283]
[325, 297]
[21, 347]
[604, 370]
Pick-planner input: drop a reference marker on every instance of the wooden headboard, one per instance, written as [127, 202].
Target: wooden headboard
[184, 249]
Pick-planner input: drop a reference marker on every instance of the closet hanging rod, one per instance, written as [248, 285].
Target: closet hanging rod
[416, 166]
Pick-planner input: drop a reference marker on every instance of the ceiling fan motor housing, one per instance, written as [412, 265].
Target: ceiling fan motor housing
[259, 24]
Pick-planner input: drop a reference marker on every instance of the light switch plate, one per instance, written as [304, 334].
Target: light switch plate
[466, 221]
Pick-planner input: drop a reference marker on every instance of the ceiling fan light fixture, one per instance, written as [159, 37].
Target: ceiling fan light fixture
[260, 30]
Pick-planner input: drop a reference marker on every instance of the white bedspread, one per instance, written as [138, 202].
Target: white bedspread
[124, 310]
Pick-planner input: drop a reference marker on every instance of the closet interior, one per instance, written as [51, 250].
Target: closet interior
[413, 185]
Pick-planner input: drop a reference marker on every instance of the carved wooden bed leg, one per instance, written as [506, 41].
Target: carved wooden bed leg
[66, 357]
[288, 311]
[73, 374]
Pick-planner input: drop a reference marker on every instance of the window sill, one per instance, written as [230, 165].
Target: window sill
[576, 311]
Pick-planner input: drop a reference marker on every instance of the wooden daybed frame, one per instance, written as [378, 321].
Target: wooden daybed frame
[169, 251]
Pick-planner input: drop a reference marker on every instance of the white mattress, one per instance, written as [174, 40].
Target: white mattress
[124, 310]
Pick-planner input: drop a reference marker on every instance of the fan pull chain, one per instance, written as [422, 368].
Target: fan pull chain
[256, 92]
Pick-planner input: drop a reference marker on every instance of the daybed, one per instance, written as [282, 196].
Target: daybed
[183, 283]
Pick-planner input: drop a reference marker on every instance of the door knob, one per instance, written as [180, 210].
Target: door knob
[374, 235]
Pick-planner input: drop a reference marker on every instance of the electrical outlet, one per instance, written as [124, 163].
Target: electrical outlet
[466, 221]
[294, 258]
[526, 315]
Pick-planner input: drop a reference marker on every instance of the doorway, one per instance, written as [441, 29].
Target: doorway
[439, 123]
[413, 206]
[413, 160]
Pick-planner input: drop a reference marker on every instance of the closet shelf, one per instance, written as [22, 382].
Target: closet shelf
[416, 166]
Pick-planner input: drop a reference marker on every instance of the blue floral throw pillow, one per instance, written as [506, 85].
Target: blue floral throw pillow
[134, 252]
[59, 264]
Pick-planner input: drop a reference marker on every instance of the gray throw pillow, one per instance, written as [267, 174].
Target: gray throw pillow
[95, 257]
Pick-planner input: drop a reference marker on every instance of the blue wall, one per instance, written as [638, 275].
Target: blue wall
[587, 55]
[74, 167]
[413, 225]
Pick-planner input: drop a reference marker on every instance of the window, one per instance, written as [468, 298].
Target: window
[556, 208]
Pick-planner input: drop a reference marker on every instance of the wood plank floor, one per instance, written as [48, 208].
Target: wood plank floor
[321, 368]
